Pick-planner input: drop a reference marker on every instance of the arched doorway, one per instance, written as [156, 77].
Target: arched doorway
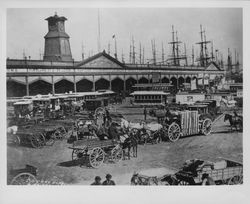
[84, 85]
[117, 85]
[64, 86]
[101, 84]
[143, 80]
[129, 83]
[181, 80]
[188, 80]
[15, 89]
[165, 80]
[173, 81]
[40, 87]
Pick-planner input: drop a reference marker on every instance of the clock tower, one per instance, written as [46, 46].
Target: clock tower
[57, 47]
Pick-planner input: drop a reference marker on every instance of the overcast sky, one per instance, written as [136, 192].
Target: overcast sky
[26, 29]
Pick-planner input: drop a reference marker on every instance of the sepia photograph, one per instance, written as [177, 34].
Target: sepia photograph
[124, 96]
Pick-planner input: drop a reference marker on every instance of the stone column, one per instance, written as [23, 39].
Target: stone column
[137, 81]
[93, 83]
[53, 85]
[110, 84]
[74, 78]
[124, 83]
[27, 86]
[148, 79]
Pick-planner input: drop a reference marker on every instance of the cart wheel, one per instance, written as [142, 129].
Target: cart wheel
[174, 132]
[116, 154]
[77, 154]
[96, 157]
[236, 180]
[183, 183]
[16, 140]
[37, 140]
[24, 179]
[206, 126]
[57, 135]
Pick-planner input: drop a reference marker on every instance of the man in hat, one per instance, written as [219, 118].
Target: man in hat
[108, 181]
[207, 180]
[97, 181]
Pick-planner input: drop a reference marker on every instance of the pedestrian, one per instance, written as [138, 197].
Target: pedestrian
[207, 180]
[97, 181]
[108, 181]
[145, 113]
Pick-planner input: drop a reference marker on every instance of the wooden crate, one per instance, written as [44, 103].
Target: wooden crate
[189, 122]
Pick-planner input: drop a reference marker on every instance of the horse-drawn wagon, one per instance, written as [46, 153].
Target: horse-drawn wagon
[185, 123]
[221, 172]
[37, 135]
[97, 151]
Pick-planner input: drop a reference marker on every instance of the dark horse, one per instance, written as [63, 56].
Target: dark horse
[235, 121]
[130, 144]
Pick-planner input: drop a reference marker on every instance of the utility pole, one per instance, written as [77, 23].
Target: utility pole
[162, 56]
[130, 53]
[123, 57]
[203, 50]
[109, 48]
[173, 48]
[140, 56]
[82, 52]
[153, 51]
[99, 32]
[175, 57]
[185, 50]
[212, 50]
[143, 55]
[192, 55]
[114, 37]
[133, 50]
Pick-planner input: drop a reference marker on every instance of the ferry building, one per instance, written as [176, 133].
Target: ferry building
[59, 73]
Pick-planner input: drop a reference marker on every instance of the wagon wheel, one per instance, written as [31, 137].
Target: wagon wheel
[99, 111]
[116, 154]
[96, 157]
[206, 126]
[183, 183]
[63, 132]
[77, 154]
[174, 132]
[236, 180]
[57, 135]
[24, 179]
[16, 140]
[50, 140]
[37, 140]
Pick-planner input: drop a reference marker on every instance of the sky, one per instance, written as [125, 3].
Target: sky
[26, 29]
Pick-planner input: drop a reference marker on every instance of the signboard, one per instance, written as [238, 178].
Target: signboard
[156, 77]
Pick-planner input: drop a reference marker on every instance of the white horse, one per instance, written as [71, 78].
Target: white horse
[153, 126]
[12, 129]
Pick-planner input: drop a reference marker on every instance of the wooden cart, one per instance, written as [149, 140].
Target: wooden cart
[97, 151]
[186, 123]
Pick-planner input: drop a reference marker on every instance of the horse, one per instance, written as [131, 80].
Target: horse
[235, 121]
[128, 142]
[139, 179]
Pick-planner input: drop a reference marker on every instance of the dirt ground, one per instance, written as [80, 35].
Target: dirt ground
[158, 159]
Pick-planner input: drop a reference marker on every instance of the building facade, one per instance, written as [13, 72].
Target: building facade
[58, 73]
